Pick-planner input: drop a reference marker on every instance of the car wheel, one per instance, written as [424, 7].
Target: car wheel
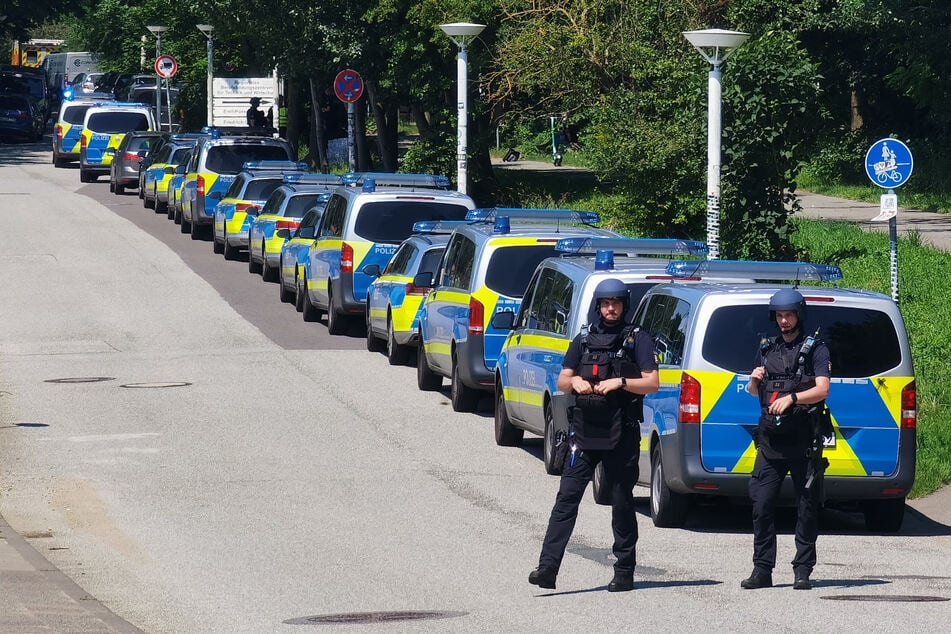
[216, 245]
[506, 434]
[374, 344]
[151, 202]
[336, 322]
[463, 398]
[299, 293]
[286, 296]
[230, 252]
[548, 449]
[396, 353]
[426, 379]
[308, 310]
[668, 509]
[171, 213]
[268, 272]
[112, 186]
[253, 267]
[85, 177]
[884, 516]
[119, 189]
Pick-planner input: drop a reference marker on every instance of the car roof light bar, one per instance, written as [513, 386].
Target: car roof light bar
[387, 179]
[488, 214]
[275, 165]
[310, 178]
[757, 270]
[438, 226]
[632, 246]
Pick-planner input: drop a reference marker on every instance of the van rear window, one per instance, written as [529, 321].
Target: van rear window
[392, 221]
[229, 159]
[116, 122]
[862, 342]
[75, 114]
[511, 268]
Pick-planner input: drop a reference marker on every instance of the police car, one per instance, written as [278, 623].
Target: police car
[485, 269]
[364, 222]
[393, 300]
[557, 303]
[69, 125]
[157, 176]
[700, 424]
[245, 196]
[284, 209]
[294, 252]
[215, 162]
[104, 126]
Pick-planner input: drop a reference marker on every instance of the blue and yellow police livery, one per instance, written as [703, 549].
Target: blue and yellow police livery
[701, 424]
[69, 126]
[364, 222]
[485, 269]
[557, 304]
[245, 197]
[158, 175]
[294, 253]
[104, 126]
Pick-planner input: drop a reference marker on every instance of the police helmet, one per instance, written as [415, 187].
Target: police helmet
[611, 288]
[787, 299]
[255, 101]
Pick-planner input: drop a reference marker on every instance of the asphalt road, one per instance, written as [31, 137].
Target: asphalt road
[233, 469]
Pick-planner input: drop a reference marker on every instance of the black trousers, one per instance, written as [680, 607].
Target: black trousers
[767, 478]
[620, 466]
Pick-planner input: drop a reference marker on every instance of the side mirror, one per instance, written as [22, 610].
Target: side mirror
[109, 151]
[180, 169]
[373, 270]
[424, 280]
[283, 233]
[504, 320]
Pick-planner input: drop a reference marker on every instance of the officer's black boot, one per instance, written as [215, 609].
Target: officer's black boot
[759, 579]
[622, 582]
[802, 579]
[543, 577]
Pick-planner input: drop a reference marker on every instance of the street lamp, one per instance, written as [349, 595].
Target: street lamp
[157, 32]
[714, 45]
[207, 29]
[461, 33]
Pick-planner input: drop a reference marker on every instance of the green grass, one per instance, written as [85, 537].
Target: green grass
[924, 284]
[908, 198]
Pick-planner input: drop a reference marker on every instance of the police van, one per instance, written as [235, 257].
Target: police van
[700, 426]
[104, 126]
[364, 222]
[557, 304]
[485, 269]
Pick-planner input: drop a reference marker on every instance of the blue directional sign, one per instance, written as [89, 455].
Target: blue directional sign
[888, 163]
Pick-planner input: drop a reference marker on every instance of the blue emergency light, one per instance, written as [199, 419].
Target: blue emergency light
[489, 214]
[386, 179]
[503, 224]
[309, 178]
[757, 270]
[604, 260]
[632, 246]
[438, 226]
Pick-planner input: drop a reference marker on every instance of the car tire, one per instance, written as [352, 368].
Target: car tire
[426, 379]
[299, 293]
[230, 252]
[151, 203]
[668, 509]
[396, 353]
[462, 397]
[268, 272]
[171, 213]
[85, 177]
[309, 311]
[506, 434]
[336, 322]
[119, 189]
[548, 442]
[217, 246]
[374, 343]
[286, 296]
[253, 267]
[884, 516]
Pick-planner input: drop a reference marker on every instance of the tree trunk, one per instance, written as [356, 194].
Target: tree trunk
[386, 128]
[855, 107]
[318, 144]
[421, 119]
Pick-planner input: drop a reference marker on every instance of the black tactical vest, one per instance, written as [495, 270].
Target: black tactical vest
[788, 370]
[598, 420]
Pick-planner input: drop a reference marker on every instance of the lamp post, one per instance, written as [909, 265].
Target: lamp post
[461, 33]
[157, 32]
[207, 29]
[714, 45]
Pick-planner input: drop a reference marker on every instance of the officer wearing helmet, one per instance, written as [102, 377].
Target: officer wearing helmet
[791, 380]
[255, 117]
[608, 368]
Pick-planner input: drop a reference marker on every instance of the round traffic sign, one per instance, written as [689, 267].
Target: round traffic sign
[348, 86]
[166, 66]
[888, 163]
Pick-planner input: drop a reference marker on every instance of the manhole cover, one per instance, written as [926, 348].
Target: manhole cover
[372, 617]
[894, 598]
[157, 385]
[81, 379]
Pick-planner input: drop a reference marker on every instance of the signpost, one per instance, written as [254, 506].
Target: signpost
[348, 86]
[166, 67]
[231, 96]
[889, 164]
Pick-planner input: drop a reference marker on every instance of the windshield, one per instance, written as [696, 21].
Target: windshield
[115, 122]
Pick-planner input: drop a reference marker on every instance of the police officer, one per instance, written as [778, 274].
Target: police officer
[608, 368]
[791, 381]
[254, 116]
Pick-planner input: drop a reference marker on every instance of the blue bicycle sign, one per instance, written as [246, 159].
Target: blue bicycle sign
[888, 163]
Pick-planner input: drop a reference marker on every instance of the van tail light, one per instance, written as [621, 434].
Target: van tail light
[131, 156]
[23, 114]
[476, 317]
[200, 186]
[412, 289]
[82, 141]
[59, 132]
[689, 399]
[291, 224]
[346, 258]
[909, 406]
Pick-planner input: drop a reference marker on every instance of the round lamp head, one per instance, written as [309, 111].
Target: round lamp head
[715, 45]
[156, 30]
[205, 28]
